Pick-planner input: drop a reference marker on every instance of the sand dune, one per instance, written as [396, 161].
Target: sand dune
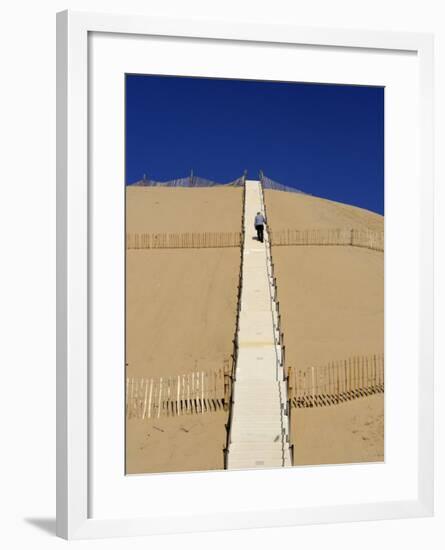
[163, 209]
[346, 433]
[181, 307]
[331, 301]
[176, 444]
[180, 317]
[297, 211]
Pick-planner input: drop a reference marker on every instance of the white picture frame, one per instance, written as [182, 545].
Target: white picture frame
[74, 517]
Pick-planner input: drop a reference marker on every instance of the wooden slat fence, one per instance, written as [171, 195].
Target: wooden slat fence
[336, 382]
[192, 393]
[140, 241]
[328, 237]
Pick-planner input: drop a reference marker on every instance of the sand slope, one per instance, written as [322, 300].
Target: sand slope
[180, 317]
[331, 301]
[181, 307]
[176, 444]
[170, 210]
[297, 211]
[349, 432]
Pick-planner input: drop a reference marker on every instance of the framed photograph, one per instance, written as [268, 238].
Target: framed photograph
[245, 281]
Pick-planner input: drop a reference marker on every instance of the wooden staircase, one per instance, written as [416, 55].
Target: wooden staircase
[259, 428]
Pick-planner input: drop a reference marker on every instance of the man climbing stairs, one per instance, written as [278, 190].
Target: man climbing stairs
[259, 430]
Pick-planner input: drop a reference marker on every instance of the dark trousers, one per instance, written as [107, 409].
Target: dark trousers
[260, 232]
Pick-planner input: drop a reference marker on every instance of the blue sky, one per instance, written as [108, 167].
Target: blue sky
[327, 140]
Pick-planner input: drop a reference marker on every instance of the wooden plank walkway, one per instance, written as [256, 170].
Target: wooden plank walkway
[259, 429]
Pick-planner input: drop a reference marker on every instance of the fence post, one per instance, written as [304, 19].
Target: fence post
[160, 397]
[145, 400]
[202, 392]
[289, 380]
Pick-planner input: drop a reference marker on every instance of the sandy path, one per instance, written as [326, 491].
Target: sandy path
[331, 301]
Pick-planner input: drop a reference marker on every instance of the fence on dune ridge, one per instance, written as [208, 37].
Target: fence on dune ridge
[189, 181]
[268, 183]
[138, 241]
[196, 392]
[336, 382]
[363, 238]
